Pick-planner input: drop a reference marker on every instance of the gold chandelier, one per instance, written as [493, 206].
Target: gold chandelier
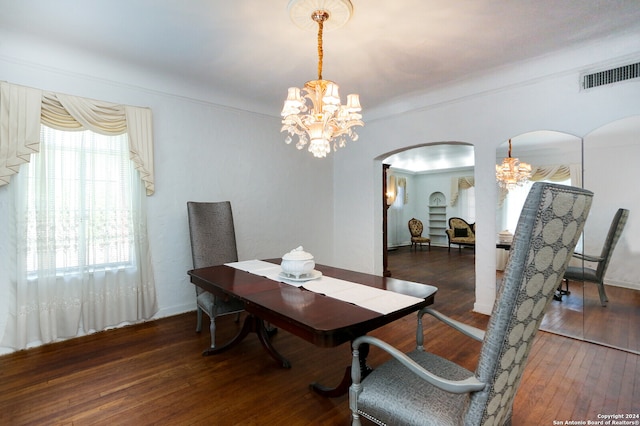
[322, 122]
[512, 172]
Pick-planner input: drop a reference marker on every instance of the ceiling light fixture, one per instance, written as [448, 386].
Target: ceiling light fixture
[325, 121]
[512, 172]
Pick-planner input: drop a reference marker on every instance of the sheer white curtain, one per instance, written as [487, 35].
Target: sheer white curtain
[467, 204]
[83, 263]
[74, 253]
[459, 183]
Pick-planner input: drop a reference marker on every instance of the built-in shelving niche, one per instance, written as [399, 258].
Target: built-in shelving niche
[438, 218]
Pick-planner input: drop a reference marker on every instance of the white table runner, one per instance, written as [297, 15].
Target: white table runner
[375, 299]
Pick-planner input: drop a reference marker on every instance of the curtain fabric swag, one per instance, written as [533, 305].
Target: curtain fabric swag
[101, 279]
[22, 109]
[458, 183]
[553, 173]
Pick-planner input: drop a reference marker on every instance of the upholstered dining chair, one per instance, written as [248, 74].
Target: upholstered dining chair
[213, 242]
[420, 388]
[580, 273]
[416, 228]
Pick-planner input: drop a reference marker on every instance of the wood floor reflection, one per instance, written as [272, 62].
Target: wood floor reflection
[579, 315]
[617, 324]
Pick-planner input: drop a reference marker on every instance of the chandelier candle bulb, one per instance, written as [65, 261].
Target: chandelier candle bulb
[353, 103]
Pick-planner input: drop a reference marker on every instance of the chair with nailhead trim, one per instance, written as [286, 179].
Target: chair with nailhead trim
[420, 388]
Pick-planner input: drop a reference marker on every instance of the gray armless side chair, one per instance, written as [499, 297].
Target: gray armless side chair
[578, 273]
[213, 242]
[420, 388]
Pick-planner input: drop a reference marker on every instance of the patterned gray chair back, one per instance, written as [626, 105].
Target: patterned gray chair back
[615, 230]
[550, 225]
[213, 239]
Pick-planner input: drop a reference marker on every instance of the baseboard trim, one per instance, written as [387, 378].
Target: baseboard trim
[623, 284]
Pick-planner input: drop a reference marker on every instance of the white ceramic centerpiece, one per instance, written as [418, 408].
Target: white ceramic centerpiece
[297, 263]
[505, 236]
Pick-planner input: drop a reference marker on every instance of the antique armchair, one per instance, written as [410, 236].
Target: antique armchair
[213, 242]
[420, 388]
[580, 273]
[416, 228]
[460, 232]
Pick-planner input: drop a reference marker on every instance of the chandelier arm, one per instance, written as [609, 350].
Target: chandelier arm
[316, 102]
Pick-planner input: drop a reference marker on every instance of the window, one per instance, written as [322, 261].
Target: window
[79, 202]
[515, 201]
[74, 216]
[468, 204]
[82, 257]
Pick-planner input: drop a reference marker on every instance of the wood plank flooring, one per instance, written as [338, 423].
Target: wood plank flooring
[581, 315]
[154, 374]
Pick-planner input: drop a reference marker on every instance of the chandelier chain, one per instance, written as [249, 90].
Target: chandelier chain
[320, 50]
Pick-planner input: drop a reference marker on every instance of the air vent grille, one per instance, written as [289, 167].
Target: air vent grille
[626, 72]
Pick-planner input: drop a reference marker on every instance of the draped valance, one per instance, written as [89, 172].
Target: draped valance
[458, 183]
[23, 109]
[402, 183]
[393, 184]
[554, 173]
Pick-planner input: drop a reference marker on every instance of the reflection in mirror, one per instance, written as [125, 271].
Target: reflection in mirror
[420, 186]
[554, 157]
[611, 154]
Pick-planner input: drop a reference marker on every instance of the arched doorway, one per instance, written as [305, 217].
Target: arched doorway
[418, 172]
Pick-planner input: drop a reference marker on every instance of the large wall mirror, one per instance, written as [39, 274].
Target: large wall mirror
[557, 157]
[611, 155]
[603, 162]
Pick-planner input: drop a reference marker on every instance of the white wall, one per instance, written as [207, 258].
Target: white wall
[281, 197]
[541, 94]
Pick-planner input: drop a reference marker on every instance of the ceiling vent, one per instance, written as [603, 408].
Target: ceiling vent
[614, 75]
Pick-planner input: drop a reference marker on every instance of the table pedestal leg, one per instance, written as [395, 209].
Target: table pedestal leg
[253, 324]
[343, 386]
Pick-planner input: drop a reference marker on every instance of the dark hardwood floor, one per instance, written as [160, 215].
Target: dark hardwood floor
[581, 315]
[153, 373]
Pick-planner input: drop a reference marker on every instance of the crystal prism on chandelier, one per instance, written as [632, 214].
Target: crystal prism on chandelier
[512, 172]
[315, 113]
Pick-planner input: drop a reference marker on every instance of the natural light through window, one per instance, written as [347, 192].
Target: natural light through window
[79, 202]
[515, 201]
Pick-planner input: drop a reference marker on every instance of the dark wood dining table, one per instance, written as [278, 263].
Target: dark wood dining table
[314, 317]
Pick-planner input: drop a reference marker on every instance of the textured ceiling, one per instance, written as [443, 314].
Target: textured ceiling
[248, 52]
